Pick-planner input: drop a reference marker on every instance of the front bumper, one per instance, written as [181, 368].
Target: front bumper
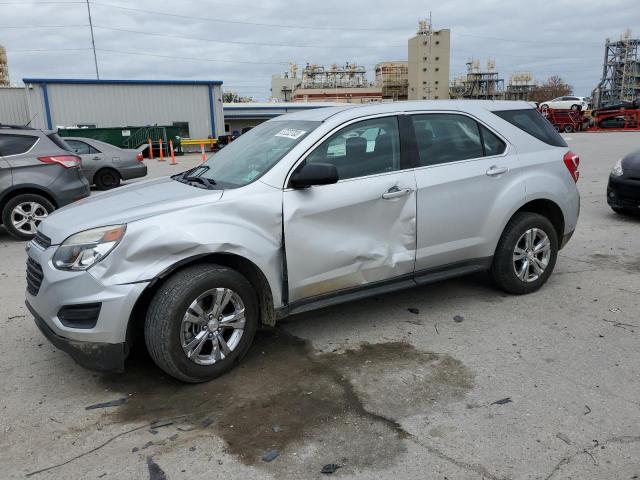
[623, 192]
[102, 357]
[101, 346]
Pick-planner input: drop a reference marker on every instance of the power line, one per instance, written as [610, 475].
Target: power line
[49, 50]
[239, 22]
[197, 59]
[200, 39]
[24, 27]
[23, 4]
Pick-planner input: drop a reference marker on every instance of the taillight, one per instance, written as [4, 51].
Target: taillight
[139, 157]
[67, 161]
[572, 162]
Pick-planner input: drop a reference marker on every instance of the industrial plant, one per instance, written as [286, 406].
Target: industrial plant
[425, 75]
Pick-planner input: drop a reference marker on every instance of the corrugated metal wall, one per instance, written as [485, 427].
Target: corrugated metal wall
[113, 105]
[13, 106]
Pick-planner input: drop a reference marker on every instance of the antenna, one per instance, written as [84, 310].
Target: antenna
[32, 119]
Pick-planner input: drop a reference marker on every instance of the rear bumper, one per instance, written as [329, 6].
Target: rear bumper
[102, 357]
[139, 169]
[69, 186]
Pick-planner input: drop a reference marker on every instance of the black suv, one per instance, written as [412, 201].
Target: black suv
[37, 175]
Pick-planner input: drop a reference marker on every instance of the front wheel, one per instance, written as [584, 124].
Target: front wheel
[201, 322]
[526, 254]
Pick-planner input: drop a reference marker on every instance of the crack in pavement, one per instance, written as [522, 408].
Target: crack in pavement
[589, 451]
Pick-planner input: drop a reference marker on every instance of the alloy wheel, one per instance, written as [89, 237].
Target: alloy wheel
[531, 255]
[212, 326]
[26, 216]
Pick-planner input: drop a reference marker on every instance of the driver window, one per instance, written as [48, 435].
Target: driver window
[362, 148]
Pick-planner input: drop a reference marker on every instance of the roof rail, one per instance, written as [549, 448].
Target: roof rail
[16, 127]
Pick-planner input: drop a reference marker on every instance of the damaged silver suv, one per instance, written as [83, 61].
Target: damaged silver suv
[306, 210]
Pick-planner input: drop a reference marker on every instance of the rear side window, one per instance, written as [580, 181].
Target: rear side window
[532, 122]
[443, 138]
[16, 144]
[81, 148]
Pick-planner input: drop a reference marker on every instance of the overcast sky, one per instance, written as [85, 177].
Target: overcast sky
[244, 45]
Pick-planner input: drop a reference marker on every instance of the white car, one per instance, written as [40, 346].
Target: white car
[566, 103]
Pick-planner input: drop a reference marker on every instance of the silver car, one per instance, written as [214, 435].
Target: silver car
[104, 165]
[306, 210]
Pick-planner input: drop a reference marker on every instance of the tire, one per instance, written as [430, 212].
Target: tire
[106, 179]
[544, 106]
[503, 269]
[576, 108]
[34, 209]
[568, 128]
[164, 329]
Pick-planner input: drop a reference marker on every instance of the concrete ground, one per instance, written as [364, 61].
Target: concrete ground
[450, 381]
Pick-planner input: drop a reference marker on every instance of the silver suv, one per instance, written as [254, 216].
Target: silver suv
[306, 210]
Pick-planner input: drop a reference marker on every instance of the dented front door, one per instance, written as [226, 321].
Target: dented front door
[349, 234]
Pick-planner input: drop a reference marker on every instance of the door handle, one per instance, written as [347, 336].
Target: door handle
[96, 158]
[494, 170]
[395, 192]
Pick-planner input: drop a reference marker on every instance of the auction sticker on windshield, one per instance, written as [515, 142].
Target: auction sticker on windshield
[292, 133]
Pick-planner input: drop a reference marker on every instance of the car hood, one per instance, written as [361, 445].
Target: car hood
[123, 205]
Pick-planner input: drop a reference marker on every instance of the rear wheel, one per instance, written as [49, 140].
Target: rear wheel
[201, 322]
[106, 179]
[23, 213]
[526, 253]
[569, 128]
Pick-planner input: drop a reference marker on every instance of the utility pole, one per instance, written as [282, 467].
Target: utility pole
[93, 42]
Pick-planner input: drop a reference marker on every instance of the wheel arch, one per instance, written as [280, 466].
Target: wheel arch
[242, 265]
[547, 208]
[22, 190]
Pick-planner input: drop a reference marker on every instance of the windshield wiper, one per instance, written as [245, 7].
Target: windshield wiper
[178, 176]
[203, 180]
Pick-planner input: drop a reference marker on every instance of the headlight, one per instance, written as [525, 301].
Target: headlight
[617, 169]
[84, 249]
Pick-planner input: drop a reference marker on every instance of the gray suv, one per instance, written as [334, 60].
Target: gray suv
[37, 175]
[306, 210]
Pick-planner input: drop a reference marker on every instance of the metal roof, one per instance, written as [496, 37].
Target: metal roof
[93, 81]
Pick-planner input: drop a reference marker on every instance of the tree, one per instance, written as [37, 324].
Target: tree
[233, 97]
[554, 87]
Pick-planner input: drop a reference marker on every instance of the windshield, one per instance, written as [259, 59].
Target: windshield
[252, 154]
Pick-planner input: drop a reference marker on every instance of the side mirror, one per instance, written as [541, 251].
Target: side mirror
[314, 174]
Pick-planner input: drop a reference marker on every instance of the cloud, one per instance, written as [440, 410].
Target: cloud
[546, 37]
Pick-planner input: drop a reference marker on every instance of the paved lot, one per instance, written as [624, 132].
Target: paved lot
[470, 384]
